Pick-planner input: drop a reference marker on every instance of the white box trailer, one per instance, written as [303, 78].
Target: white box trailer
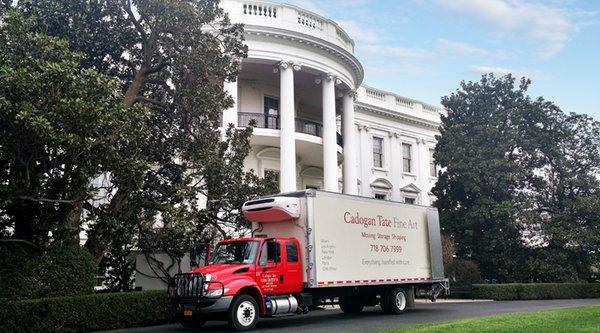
[354, 241]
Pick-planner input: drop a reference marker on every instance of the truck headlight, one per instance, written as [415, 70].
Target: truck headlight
[216, 293]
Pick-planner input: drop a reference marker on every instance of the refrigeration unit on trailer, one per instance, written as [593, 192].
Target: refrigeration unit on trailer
[311, 247]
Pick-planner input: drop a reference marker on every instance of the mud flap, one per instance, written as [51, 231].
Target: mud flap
[410, 296]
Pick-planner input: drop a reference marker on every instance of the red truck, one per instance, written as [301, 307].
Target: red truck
[311, 247]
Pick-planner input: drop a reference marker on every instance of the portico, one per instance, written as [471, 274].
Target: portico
[295, 112]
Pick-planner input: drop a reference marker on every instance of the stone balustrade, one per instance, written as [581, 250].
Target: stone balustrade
[393, 102]
[287, 17]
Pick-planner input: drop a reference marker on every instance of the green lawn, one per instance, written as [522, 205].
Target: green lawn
[582, 319]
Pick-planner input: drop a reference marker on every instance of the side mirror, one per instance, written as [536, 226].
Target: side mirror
[270, 264]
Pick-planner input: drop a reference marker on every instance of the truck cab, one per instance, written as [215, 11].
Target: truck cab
[240, 274]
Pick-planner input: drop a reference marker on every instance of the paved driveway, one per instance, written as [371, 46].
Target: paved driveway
[334, 321]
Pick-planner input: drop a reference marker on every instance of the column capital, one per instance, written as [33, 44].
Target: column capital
[325, 77]
[352, 93]
[285, 64]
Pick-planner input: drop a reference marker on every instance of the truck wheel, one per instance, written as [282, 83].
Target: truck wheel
[243, 314]
[351, 306]
[194, 323]
[394, 301]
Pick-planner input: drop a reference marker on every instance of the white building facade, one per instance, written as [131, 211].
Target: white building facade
[317, 126]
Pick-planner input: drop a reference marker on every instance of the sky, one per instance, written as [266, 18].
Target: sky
[423, 49]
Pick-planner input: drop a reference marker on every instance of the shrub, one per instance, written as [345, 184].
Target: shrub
[19, 270]
[26, 272]
[531, 291]
[86, 312]
[67, 270]
[463, 272]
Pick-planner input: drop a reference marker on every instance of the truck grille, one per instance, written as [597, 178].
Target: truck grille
[188, 285]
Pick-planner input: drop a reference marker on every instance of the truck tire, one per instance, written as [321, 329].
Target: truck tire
[350, 306]
[394, 301]
[193, 323]
[243, 313]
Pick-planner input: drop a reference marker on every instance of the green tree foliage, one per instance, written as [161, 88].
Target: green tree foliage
[56, 123]
[519, 176]
[168, 68]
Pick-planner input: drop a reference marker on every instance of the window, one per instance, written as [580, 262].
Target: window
[377, 152]
[432, 166]
[243, 252]
[406, 157]
[271, 111]
[380, 196]
[291, 251]
[312, 187]
[270, 253]
[409, 201]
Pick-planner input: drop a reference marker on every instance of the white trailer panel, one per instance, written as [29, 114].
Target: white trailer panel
[360, 240]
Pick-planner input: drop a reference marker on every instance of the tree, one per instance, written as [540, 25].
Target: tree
[568, 219]
[480, 193]
[56, 123]
[170, 58]
[519, 178]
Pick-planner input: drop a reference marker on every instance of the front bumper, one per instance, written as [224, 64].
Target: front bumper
[205, 305]
[188, 292]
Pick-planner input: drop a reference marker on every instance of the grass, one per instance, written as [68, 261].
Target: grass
[580, 319]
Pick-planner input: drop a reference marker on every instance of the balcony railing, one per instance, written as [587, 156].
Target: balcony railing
[302, 125]
[245, 119]
[287, 17]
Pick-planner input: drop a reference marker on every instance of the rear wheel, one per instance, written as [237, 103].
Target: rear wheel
[243, 314]
[348, 305]
[394, 301]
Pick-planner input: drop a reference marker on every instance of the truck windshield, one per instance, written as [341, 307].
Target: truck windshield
[243, 252]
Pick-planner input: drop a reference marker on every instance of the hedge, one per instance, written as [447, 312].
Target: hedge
[532, 291]
[29, 273]
[86, 312]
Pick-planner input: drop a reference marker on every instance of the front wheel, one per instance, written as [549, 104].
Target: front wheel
[394, 301]
[243, 314]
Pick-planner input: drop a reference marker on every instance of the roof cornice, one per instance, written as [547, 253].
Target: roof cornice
[335, 50]
[396, 115]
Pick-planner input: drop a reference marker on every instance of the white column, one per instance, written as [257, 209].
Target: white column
[230, 116]
[287, 143]
[395, 165]
[330, 169]
[422, 164]
[366, 160]
[348, 129]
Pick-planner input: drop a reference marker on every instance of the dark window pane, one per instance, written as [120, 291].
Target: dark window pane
[291, 251]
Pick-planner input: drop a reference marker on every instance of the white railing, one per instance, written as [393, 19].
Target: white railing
[393, 102]
[375, 94]
[260, 9]
[287, 17]
[342, 36]
[309, 20]
[404, 102]
[430, 108]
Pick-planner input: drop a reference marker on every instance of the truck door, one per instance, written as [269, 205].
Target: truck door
[292, 279]
[269, 272]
